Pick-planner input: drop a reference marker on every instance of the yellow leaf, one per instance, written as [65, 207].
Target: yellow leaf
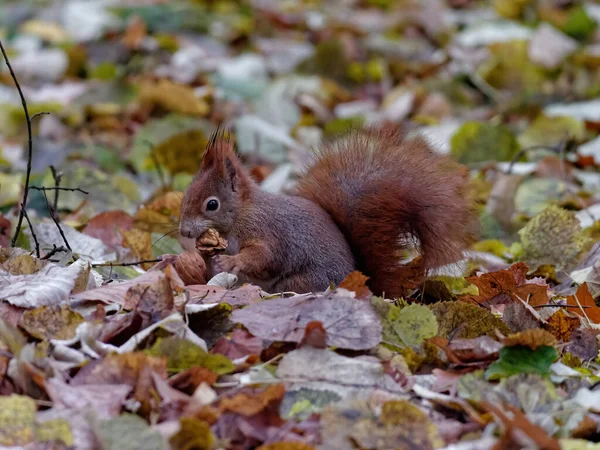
[172, 97]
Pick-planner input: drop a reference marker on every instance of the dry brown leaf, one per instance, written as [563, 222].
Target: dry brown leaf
[172, 97]
[140, 243]
[244, 295]
[349, 323]
[108, 227]
[133, 369]
[533, 339]
[189, 379]
[508, 285]
[314, 335]
[240, 344]
[51, 322]
[356, 282]
[191, 267]
[583, 304]
[152, 300]
[135, 33]
[584, 343]
[252, 403]
[562, 325]
[291, 445]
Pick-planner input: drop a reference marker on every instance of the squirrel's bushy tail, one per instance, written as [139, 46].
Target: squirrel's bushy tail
[387, 194]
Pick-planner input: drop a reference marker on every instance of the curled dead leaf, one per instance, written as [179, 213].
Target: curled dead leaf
[357, 283]
[191, 268]
[533, 338]
[251, 403]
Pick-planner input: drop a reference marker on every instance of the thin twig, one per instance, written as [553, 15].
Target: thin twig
[57, 178]
[57, 188]
[53, 216]
[29, 146]
[136, 263]
[37, 244]
[54, 251]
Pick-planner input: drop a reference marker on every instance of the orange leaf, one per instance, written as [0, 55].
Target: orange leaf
[561, 325]
[252, 403]
[356, 282]
[584, 304]
[532, 338]
[508, 285]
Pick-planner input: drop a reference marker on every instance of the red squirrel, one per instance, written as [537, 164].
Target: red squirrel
[367, 197]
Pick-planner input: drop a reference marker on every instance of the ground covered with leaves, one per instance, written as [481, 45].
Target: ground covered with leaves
[112, 337]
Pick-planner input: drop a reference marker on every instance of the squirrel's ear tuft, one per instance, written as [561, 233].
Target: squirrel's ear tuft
[217, 149]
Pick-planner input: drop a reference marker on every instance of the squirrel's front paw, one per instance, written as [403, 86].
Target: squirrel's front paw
[226, 263]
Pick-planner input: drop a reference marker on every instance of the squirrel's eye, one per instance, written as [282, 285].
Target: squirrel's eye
[212, 205]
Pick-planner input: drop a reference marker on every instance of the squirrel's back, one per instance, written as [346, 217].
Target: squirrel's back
[388, 194]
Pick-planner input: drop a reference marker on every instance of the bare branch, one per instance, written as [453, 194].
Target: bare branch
[58, 188]
[60, 230]
[136, 263]
[54, 251]
[29, 147]
[33, 235]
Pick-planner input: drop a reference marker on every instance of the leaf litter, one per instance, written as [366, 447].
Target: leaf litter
[111, 333]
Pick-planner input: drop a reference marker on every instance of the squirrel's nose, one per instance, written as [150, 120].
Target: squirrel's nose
[186, 228]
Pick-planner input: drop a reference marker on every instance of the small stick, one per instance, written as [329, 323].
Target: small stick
[57, 179]
[136, 263]
[60, 230]
[37, 244]
[54, 251]
[57, 188]
[29, 146]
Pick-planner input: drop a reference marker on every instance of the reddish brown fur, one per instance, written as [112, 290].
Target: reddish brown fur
[359, 206]
[383, 190]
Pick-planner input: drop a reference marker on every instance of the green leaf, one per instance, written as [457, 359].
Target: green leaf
[553, 237]
[477, 142]
[413, 324]
[579, 24]
[193, 434]
[552, 130]
[128, 432]
[461, 320]
[182, 354]
[519, 359]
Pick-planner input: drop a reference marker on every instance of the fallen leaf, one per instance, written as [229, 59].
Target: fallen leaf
[520, 359]
[188, 380]
[154, 301]
[49, 286]
[140, 243]
[462, 320]
[508, 285]
[135, 32]
[562, 325]
[240, 344]
[172, 97]
[584, 344]
[252, 403]
[413, 324]
[356, 282]
[286, 445]
[17, 417]
[182, 354]
[349, 323]
[530, 338]
[86, 247]
[206, 294]
[128, 432]
[133, 369]
[107, 402]
[553, 237]
[193, 434]
[107, 227]
[583, 304]
[51, 322]
[314, 335]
